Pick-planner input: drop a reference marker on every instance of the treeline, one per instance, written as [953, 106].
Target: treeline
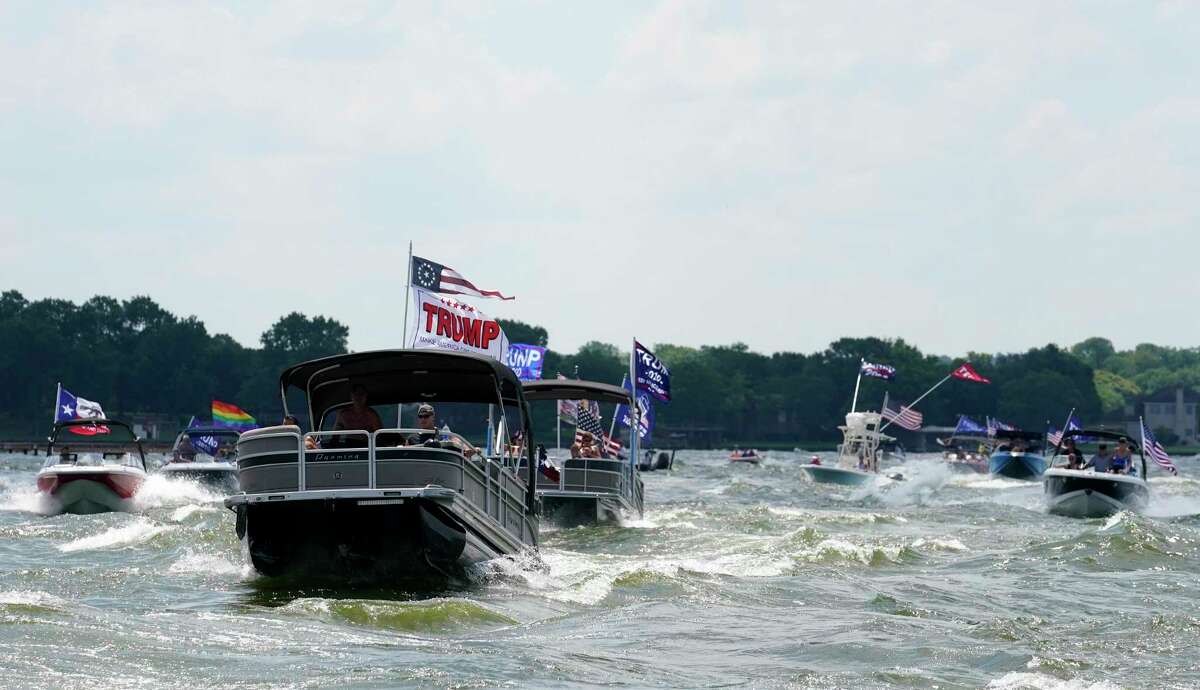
[133, 356]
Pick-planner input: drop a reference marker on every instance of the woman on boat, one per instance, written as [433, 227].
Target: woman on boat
[1122, 459]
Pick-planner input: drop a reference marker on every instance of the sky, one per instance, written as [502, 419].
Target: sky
[966, 176]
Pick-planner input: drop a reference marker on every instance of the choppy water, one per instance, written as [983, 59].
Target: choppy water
[737, 576]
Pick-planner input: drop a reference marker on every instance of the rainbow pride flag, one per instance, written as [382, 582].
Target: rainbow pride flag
[224, 414]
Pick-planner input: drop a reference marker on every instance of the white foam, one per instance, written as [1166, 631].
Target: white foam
[208, 564]
[159, 491]
[940, 544]
[136, 532]
[26, 499]
[1041, 681]
[848, 551]
[27, 598]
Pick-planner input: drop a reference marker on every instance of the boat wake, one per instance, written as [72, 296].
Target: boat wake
[159, 492]
[139, 531]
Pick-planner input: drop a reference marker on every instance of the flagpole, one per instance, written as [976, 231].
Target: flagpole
[921, 397]
[1064, 432]
[635, 410]
[404, 328]
[857, 383]
[57, 397]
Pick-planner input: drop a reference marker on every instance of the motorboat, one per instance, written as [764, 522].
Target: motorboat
[395, 504]
[1086, 493]
[205, 455]
[656, 460]
[1017, 455]
[960, 457]
[579, 491]
[92, 466]
[751, 456]
[858, 454]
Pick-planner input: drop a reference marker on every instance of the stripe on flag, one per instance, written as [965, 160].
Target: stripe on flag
[1151, 447]
[905, 417]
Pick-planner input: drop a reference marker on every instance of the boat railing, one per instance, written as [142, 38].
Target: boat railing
[594, 475]
[282, 459]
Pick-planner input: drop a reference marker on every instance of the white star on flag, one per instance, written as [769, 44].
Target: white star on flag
[67, 410]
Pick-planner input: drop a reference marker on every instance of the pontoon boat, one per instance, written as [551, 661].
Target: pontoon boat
[586, 490]
[395, 503]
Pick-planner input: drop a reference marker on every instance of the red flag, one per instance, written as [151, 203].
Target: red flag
[967, 373]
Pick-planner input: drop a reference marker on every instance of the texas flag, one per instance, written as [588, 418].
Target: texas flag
[70, 406]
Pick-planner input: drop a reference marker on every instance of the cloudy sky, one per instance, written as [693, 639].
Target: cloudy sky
[967, 176]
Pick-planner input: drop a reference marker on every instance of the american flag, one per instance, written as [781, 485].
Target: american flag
[905, 417]
[438, 278]
[1054, 437]
[588, 420]
[1151, 447]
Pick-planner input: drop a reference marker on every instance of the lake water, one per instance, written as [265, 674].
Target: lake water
[738, 576]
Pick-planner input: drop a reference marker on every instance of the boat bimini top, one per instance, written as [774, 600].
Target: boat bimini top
[575, 389]
[103, 437]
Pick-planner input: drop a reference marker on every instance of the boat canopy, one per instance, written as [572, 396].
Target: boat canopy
[575, 389]
[93, 432]
[218, 431]
[1016, 434]
[402, 376]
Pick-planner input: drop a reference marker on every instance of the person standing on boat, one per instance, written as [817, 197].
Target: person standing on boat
[1122, 460]
[358, 416]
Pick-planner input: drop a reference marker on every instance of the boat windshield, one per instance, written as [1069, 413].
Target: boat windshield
[93, 458]
[205, 445]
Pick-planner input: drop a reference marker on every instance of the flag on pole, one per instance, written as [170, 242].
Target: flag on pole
[1151, 447]
[966, 372]
[905, 417]
[436, 277]
[587, 418]
[879, 371]
[652, 375]
[228, 415]
[70, 406]
[1054, 437]
[966, 425]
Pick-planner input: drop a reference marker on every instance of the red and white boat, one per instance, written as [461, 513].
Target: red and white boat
[92, 466]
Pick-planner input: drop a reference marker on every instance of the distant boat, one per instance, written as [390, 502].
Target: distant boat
[205, 455]
[586, 490]
[751, 456]
[1017, 455]
[92, 466]
[858, 455]
[1090, 494]
[959, 457]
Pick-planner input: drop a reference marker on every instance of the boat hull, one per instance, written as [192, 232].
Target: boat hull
[836, 475]
[369, 536]
[748, 459]
[220, 476]
[581, 510]
[88, 491]
[1087, 494]
[1028, 466]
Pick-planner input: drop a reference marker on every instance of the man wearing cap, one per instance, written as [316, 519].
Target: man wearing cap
[426, 424]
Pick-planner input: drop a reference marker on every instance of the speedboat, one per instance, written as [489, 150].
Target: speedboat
[92, 466]
[395, 504]
[751, 456]
[1089, 494]
[858, 454]
[959, 457]
[656, 460]
[1017, 455]
[205, 455]
[580, 491]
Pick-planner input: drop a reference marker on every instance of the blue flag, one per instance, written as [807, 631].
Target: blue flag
[645, 404]
[525, 360]
[652, 375]
[966, 425]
